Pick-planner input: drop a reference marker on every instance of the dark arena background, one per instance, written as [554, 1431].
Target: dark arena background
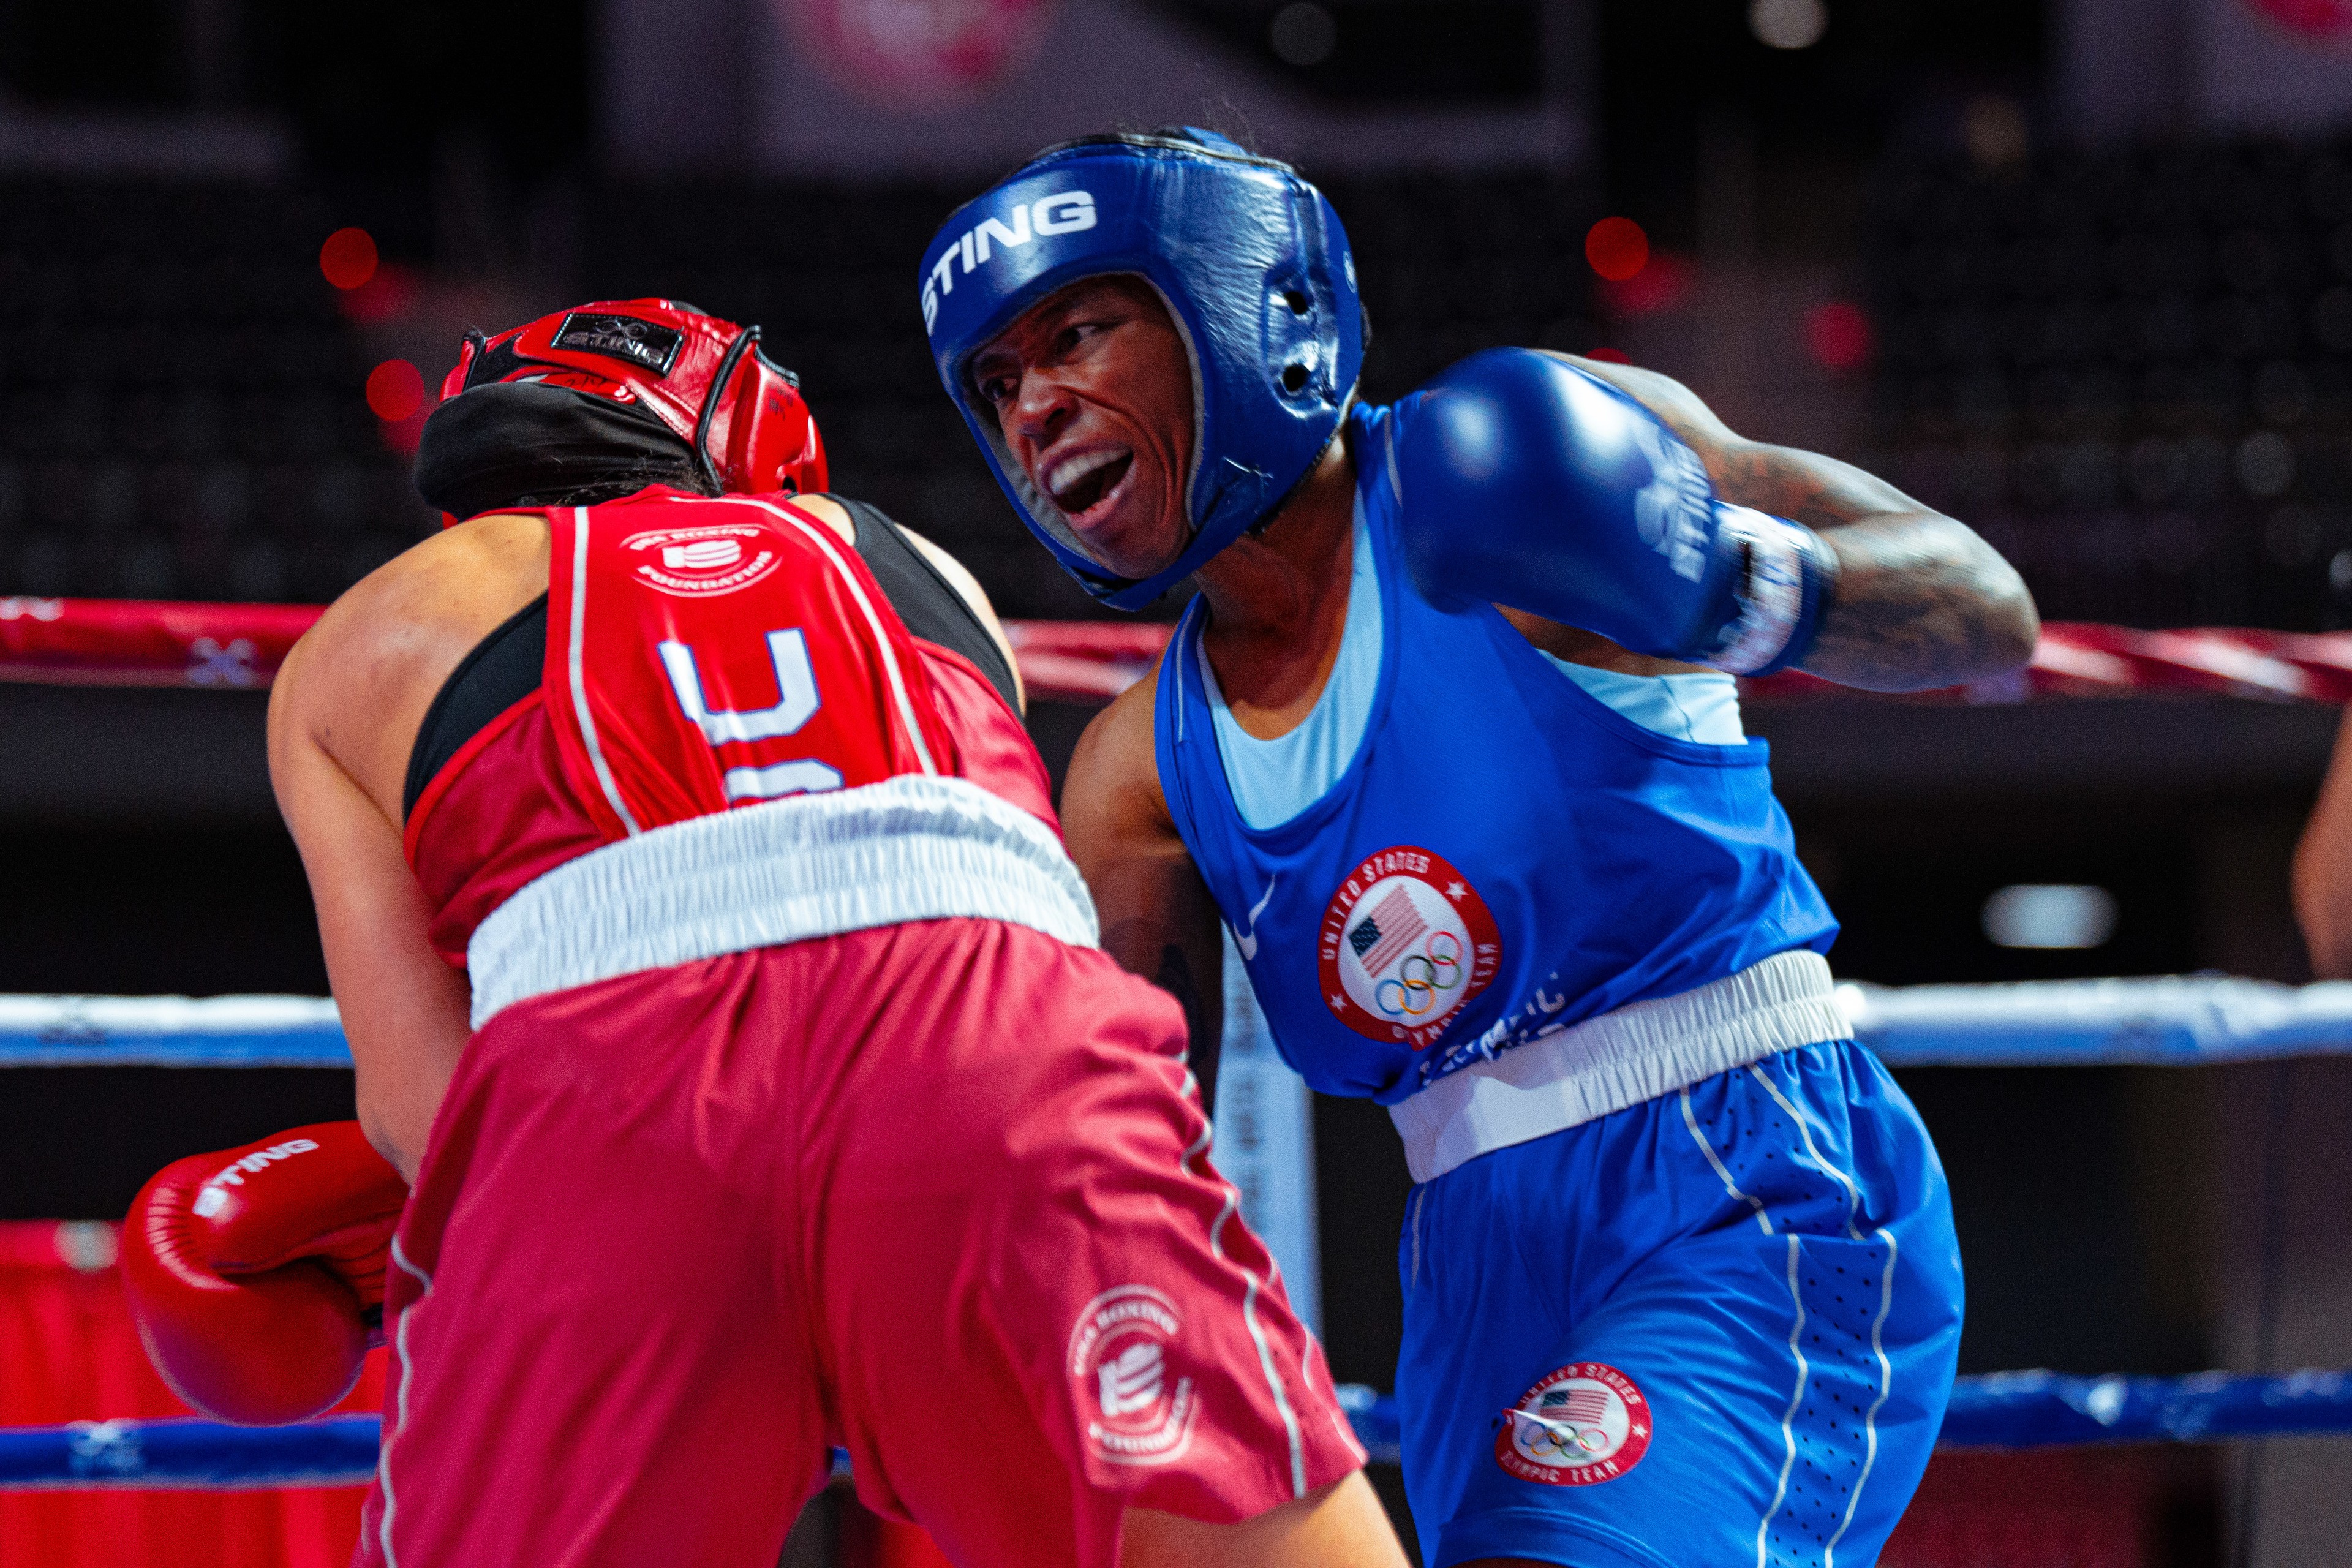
[2078, 272]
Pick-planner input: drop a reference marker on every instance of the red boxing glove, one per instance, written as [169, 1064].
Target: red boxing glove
[256, 1275]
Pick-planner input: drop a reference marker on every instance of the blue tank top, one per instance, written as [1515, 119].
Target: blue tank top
[1504, 856]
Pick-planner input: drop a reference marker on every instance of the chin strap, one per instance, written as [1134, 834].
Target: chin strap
[744, 342]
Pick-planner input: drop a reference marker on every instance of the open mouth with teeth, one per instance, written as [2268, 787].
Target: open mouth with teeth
[1080, 484]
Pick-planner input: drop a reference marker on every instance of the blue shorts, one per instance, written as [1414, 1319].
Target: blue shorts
[1717, 1327]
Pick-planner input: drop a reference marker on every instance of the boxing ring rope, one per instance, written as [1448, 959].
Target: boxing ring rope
[207, 1455]
[2173, 1021]
[2008, 1410]
[132, 642]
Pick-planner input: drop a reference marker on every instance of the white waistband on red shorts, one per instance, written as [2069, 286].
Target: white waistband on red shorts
[909, 848]
[1620, 1059]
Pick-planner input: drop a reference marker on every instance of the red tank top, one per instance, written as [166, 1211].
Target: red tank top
[701, 655]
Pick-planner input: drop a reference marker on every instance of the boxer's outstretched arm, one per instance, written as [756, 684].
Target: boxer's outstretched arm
[405, 1011]
[1921, 601]
[1158, 919]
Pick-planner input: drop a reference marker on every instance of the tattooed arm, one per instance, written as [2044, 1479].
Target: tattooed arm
[1921, 601]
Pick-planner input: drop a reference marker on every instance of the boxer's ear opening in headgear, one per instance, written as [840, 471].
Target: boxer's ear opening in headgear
[674, 395]
[1234, 244]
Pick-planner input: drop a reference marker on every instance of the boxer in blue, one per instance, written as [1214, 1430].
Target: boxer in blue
[1450, 741]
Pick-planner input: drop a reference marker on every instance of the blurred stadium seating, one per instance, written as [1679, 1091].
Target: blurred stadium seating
[186, 419]
[185, 416]
[2131, 372]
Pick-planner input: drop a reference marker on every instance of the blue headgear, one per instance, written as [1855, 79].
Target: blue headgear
[1252, 264]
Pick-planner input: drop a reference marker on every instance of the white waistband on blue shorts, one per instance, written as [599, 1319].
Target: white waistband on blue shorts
[909, 848]
[1619, 1060]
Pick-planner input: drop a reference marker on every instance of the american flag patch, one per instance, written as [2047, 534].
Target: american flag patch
[1577, 1406]
[1393, 926]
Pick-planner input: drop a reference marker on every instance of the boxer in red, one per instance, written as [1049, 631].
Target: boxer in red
[714, 972]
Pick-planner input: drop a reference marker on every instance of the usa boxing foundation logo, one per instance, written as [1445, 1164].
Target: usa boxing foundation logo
[1585, 1423]
[703, 562]
[1121, 1352]
[1404, 943]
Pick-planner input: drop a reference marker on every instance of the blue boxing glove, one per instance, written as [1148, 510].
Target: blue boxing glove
[1526, 482]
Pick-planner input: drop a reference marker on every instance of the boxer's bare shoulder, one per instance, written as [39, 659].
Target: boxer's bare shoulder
[1112, 804]
[1157, 917]
[359, 683]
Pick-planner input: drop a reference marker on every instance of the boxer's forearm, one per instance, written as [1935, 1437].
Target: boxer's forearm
[405, 1010]
[1921, 601]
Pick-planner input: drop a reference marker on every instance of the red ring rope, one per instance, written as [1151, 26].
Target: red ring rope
[134, 642]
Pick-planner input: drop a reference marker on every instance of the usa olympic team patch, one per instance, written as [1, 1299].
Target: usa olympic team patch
[703, 562]
[1406, 942]
[1586, 1423]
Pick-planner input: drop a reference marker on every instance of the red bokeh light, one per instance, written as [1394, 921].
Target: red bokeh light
[1664, 284]
[348, 258]
[382, 298]
[1614, 356]
[1838, 335]
[2315, 18]
[395, 389]
[1617, 249]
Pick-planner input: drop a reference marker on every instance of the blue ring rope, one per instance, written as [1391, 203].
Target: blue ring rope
[2174, 1020]
[336, 1452]
[2178, 1020]
[2002, 1410]
[172, 1031]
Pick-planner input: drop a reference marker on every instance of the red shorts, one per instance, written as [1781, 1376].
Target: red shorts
[933, 1193]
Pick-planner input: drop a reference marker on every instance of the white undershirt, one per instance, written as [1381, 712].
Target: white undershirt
[1273, 781]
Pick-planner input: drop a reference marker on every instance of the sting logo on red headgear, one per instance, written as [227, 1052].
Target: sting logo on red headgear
[708, 380]
[647, 344]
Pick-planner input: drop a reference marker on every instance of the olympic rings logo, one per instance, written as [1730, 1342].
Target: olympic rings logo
[1416, 994]
[1567, 1442]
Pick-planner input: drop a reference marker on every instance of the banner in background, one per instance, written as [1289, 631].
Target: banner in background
[919, 54]
[1265, 1143]
[2326, 19]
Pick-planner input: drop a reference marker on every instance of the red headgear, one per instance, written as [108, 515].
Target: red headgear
[706, 379]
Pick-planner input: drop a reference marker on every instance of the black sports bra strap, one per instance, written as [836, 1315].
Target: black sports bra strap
[502, 669]
[924, 599]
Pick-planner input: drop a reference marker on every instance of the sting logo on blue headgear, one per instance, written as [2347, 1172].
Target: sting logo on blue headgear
[1250, 262]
